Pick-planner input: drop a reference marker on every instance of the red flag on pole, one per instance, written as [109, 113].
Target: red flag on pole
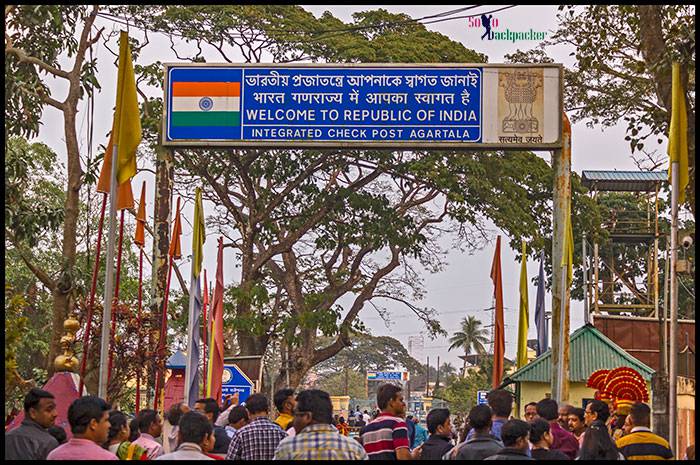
[216, 347]
[499, 345]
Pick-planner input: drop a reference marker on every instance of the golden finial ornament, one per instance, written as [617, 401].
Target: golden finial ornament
[67, 360]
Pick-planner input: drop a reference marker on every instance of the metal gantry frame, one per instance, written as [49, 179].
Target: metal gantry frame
[625, 227]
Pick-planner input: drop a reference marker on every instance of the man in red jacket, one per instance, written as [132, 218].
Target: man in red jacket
[564, 441]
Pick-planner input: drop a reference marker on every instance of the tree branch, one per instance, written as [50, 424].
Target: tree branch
[24, 255]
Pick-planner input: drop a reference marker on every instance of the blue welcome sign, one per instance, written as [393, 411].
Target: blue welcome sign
[380, 106]
[235, 381]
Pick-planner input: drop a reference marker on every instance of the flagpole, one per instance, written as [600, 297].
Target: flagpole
[160, 370]
[115, 314]
[673, 355]
[192, 350]
[205, 302]
[109, 278]
[138, 323]
[93, 289]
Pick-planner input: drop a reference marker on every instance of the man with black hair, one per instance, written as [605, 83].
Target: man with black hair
[482, 443]
[195, 436]
[542, 440]
[31, 440]
[284, 402]
[641, 443]
[440, 429]
[89, 422]
[514, 434]
[386, 437]
[577, 424]
[564, 440]
[150, 425]
[564, 411]
[237, 419]
[316, 438]
[170, 428]
[259, 438]
[530, 411]
[501, 403]
[210, 409]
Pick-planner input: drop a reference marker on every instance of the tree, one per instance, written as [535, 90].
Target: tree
[310, 227]
[623, 70]
[30, 51]
[471, 336]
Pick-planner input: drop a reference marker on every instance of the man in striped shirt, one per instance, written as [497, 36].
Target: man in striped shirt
[386, 437]
[641, 443]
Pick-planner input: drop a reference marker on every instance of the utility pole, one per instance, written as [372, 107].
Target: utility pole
[437, 377]
[427, 375]
[673, 349]
[346, 381]
[561, 164]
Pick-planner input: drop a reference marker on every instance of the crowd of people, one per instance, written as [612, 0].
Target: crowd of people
[307, 429]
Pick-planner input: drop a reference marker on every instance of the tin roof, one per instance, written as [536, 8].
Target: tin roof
[176, 360]
[627, 181]
[589, 350]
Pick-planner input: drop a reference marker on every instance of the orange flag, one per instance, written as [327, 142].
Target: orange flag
[499, 345]
[125, 196]
[175, 251]
[140, 238]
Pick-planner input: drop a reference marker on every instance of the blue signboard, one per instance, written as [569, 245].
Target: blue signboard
[387, 376]
[481, 397]
[235, 381]
[356, 106]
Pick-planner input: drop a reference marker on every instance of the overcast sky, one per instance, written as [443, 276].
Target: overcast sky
[464, 287]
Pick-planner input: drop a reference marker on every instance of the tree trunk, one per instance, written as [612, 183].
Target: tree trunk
[165, 176]
[61, 295]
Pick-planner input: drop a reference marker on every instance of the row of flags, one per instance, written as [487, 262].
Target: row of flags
[524, 317]
[123, 143]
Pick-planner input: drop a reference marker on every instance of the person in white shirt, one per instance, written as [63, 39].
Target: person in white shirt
[196, 438]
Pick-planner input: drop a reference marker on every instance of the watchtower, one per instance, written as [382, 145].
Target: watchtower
[634, 230]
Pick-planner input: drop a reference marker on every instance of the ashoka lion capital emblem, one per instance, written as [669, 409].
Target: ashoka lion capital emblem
[520, 91]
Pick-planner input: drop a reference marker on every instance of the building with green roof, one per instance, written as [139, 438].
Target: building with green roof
[589, 350]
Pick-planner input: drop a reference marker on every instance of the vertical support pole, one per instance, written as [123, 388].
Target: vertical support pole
[586, 317]
[109, 280]
[427, 375]
[561, 164]
[660, 378]
[667, 279]
[162, 214]
[596, 277]
[673, 349]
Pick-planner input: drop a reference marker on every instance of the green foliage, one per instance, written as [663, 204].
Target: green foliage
[26, 89]
[370, 353]
[335, 383]
[471, 336]
[623, 69]
[34, 199]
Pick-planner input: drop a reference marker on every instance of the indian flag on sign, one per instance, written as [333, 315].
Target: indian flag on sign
[206, 104]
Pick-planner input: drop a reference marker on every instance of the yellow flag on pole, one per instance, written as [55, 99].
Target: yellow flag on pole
[524, 312]
[199, 235]
[126, 126]
[678, 133]
[567, 257]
